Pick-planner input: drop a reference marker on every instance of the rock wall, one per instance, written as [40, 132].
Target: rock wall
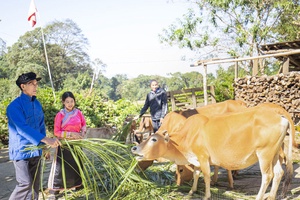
[281, 89]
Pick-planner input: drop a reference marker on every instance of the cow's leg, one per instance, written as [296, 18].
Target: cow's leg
[178, 176]
[215, 176]
[278, 173]
[205, 167]
[266, 168]
[230, 179]
[196, 175]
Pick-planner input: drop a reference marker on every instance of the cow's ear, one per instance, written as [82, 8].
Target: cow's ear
[167, 137]
[164, 132]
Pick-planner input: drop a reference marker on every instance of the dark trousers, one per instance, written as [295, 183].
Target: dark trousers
[28, 179]
[72, 174]
[156, 125]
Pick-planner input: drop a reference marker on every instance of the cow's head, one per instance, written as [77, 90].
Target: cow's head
[184, 173]
[152, 148]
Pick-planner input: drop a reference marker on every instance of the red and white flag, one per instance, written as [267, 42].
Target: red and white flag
[32, 14]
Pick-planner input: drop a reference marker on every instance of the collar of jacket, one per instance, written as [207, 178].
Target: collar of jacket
[156, 91]
[27, 97]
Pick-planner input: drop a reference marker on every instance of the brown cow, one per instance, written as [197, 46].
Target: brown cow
[102, 132]
[184, 173]
[145, 127]
[233, 141]
[276, 108]
[174, 121]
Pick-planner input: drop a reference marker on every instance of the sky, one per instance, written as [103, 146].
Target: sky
[122, 34]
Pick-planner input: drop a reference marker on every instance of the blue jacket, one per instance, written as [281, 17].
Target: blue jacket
[158, 103]
[26, 126]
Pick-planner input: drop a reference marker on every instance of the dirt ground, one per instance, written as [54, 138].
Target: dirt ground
[246, 185]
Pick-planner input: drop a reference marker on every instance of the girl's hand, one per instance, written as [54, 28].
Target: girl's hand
[75, 135]
[47, 155]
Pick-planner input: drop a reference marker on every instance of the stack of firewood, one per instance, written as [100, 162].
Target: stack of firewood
[281, 89]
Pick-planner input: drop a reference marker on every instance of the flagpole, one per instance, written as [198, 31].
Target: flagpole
[47, 61]
[32, 19]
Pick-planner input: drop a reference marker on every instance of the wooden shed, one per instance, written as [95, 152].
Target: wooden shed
[291, 62]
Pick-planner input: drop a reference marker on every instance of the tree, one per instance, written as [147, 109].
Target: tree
[4, 67]
[289, 22]
[81, 82]
[179, 81]
[116, 83]
[98, 68]
[236, 28]
[66, 49]
[2, 47]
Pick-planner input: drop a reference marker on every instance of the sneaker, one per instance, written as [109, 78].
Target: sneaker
[79, 188]
[53, 195]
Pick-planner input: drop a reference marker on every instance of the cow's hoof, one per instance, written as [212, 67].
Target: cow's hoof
[230, 188]
[214, 183]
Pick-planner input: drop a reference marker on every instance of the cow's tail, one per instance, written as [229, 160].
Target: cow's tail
[292, 132]
[288, 159]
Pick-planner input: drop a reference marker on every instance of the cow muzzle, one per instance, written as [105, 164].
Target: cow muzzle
[138, 157]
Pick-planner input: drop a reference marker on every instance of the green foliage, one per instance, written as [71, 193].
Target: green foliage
[224, 84]
[108, 171]
[137, 88]
[82, 81]
[97, 111]
[4, 122]
[66, 50]
[179, 81]
[50, 106]
[235, 28]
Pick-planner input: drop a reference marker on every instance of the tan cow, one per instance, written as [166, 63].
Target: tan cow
[145, 128]
[276, 108]
[233, 141]
[174, 120]
[185, 172]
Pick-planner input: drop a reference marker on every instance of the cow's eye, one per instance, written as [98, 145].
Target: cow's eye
[154, 139]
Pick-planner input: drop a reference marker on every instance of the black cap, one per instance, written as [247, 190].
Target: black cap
[25, 78]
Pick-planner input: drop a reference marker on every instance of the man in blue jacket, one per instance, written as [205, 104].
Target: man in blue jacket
[26, 128]
[157, 100]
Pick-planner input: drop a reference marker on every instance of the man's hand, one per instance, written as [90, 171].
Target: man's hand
[53, 142]
[161, 120]
[136, 118]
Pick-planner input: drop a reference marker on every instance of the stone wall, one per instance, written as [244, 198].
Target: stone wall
[281, 89]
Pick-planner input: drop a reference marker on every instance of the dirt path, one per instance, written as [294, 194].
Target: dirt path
[246, 184]
[7, 175]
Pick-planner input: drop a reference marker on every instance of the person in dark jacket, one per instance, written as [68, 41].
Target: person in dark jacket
[157, 101]
[26, 128]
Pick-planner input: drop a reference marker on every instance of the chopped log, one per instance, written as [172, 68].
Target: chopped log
[282, 89]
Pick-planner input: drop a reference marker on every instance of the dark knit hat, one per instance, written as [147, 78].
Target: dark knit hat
[25, 78]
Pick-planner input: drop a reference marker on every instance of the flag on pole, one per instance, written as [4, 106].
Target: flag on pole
[32, 14]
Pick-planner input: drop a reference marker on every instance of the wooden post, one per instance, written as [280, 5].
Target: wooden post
[205, 83]
[255, 67]
[173, 101]
[212, 94]
[236, 70]
[285, 67]
[194, 98]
